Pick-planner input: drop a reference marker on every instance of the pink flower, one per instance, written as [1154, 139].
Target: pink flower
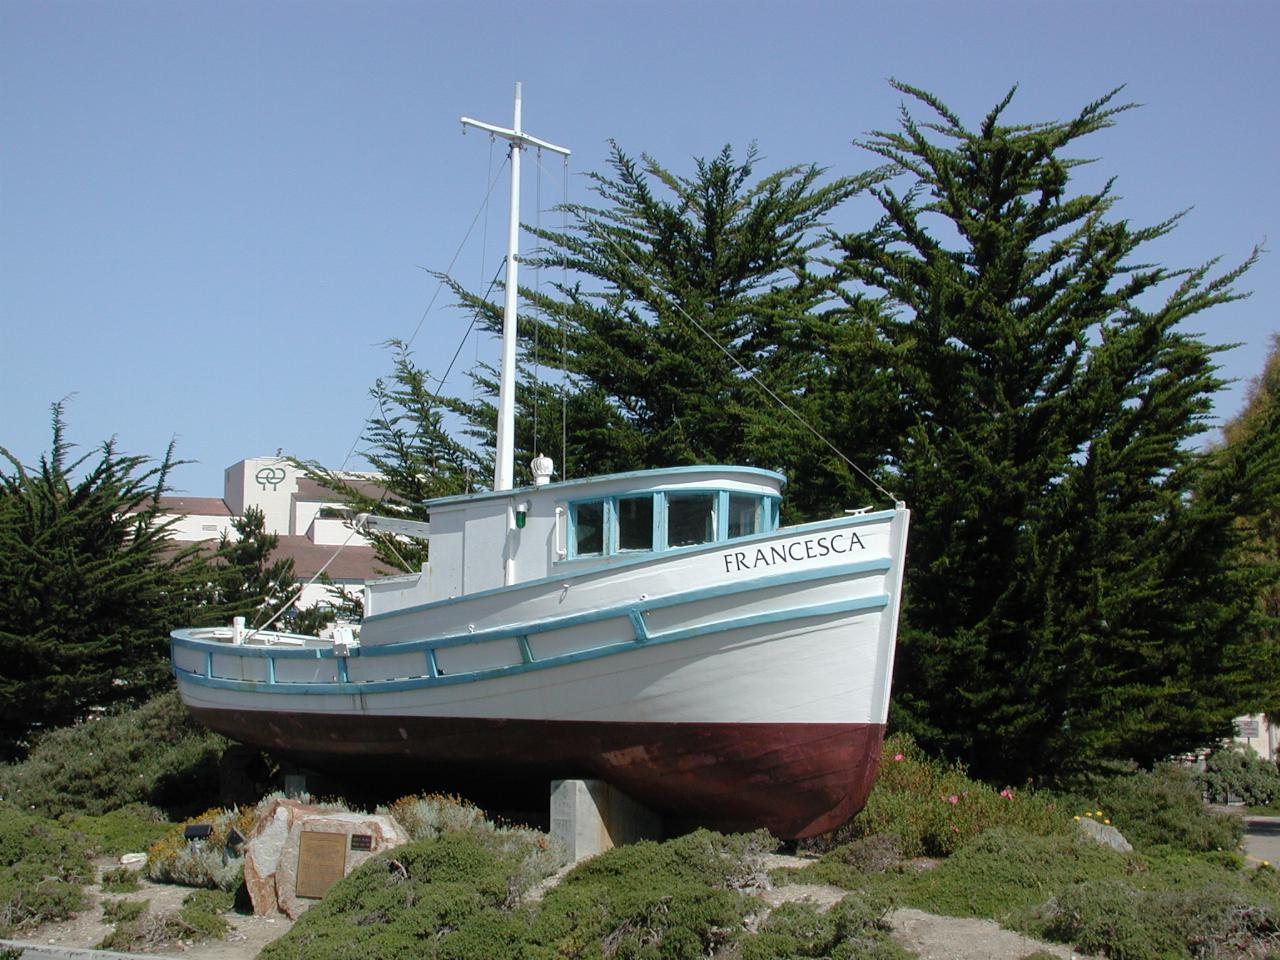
[1007, 793]
[954, 828]
[898, 758]
[953, 799]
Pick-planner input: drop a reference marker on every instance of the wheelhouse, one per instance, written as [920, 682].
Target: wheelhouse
[489, 540]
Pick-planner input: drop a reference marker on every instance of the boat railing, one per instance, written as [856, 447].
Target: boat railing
[289, 663]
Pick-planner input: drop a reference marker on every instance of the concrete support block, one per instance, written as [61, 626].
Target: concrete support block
[591, 816]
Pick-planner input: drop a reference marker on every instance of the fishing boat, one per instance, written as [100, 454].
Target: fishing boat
[660, 630]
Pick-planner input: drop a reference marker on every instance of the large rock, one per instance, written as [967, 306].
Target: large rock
[274, 846]
[1104, 834]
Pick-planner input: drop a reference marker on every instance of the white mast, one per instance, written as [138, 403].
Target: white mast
[503, 465]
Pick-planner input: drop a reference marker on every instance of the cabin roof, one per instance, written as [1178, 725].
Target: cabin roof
[654, 475]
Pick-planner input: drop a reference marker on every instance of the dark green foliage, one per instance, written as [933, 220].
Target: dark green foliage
[90, 585]
[43, 869]
[652, 286]
[1163, 807]
[248, 583]
[155, 754]
[1251, 461]
[1234, 772]
[1072, 593]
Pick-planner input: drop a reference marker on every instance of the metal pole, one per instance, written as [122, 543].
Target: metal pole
[503, 466]
[504, 460]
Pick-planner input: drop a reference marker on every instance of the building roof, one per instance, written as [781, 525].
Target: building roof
[353, 563]
[189, 506]
[309, 489]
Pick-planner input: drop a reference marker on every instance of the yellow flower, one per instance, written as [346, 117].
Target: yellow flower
[1106, 822]
[1077, 817]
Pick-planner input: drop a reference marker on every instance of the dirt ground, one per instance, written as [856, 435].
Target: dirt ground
[249, 934]
[929, 937]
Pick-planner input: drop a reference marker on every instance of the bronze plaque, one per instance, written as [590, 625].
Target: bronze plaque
[322, 861]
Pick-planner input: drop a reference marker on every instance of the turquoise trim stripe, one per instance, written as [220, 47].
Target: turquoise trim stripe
[854, 605]
[182, 638]
[652, 478]
[577, 570]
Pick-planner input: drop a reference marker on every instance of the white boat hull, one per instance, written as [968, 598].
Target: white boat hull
[742, 683]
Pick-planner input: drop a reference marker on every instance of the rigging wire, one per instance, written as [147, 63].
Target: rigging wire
[564, 337]
[444, 278]
[383, 496]
[645, 283]
[537, 291]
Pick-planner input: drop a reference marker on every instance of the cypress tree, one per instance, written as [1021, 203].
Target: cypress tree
[662, 276]
[90, 585]
[1071, 596]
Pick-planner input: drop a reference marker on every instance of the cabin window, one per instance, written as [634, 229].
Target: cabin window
[691, 518]
[588, 528]
[635, 523]
[744, 515]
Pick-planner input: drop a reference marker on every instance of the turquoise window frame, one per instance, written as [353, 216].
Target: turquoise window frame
[616, 530]
[571, 528]
[770, 508]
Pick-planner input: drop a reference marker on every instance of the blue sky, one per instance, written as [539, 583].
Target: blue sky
[212, 215]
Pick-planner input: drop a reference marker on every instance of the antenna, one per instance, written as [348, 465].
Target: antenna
[503, 467]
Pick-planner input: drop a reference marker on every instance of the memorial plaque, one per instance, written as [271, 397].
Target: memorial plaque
[322, 861]
[1247, 729]
[362, 841]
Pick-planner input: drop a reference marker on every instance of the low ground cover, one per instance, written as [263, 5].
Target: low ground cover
[201, 917]
[1184, 892]
[155, 755]
[930, 838]
[43, 870]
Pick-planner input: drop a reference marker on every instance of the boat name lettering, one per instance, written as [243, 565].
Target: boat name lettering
[807, 549]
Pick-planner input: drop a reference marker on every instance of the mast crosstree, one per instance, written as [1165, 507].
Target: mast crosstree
[503, 468]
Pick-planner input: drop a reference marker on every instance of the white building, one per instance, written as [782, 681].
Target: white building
[291, 504]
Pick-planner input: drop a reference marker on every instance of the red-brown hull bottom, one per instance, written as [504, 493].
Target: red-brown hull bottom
[794, 779]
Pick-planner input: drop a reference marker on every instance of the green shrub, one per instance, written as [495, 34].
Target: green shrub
[154, 754]
[1163, 807]
[205, 862]
[854, 928]
[1235, 771]
[1128, 923]
[122, 911]
[455, 888]
[460, 895]
[684, 897]
[933, 808]
[43, 870]
[130, 829]
[426, 816]
[120, 880]
[136, 929]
